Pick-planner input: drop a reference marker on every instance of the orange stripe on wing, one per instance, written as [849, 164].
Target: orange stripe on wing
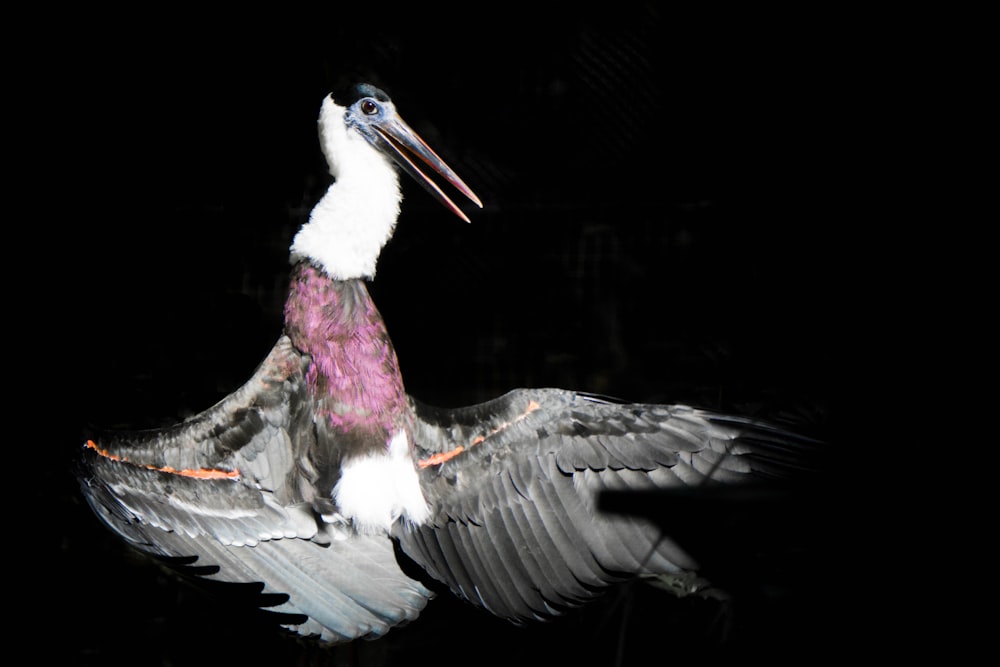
[199, 473]
[441, 457]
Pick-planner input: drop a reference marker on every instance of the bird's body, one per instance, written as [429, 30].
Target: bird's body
[359, 406]
[320, 475]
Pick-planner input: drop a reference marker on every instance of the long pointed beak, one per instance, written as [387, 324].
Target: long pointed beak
[401, 143]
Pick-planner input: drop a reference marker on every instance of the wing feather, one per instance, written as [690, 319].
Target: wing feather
[480, 587]
[543, 580]
[498, 578]
[516, 551]
[514, 484]
[560, 513]
[234, 492]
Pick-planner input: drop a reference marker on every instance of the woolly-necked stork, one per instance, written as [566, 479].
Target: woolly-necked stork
[319, 476]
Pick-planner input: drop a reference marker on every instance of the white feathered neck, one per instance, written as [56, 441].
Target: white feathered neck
[349, 226]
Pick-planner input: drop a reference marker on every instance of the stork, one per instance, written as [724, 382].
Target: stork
[320, 475]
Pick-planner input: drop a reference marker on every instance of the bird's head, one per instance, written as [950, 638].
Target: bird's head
[362, 137]
[368, 113]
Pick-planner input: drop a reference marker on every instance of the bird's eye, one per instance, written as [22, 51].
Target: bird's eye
[369, 108]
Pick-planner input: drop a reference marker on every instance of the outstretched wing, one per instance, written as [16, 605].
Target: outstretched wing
[514, 483]
[240, 491]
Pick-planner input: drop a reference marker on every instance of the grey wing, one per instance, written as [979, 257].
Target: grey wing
[514, 485]
[238, 491]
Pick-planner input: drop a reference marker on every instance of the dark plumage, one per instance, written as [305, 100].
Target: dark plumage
[320, 475]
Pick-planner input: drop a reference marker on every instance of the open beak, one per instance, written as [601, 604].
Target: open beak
[402, 144]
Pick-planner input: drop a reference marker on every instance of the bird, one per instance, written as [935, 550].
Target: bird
[349, 504]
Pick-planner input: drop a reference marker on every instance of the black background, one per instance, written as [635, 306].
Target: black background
[664, 221]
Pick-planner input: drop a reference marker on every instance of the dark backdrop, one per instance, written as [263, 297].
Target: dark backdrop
[662, 222]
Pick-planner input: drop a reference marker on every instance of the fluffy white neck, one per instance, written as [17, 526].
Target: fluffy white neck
[356, 217]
